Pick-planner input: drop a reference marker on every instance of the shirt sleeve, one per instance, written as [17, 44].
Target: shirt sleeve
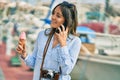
[68, 56]
[31, 58]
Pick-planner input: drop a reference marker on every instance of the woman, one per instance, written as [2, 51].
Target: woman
[64, 46]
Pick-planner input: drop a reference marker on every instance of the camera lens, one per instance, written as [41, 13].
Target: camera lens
[50, 74]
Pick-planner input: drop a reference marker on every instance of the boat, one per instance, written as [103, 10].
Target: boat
[99, 60]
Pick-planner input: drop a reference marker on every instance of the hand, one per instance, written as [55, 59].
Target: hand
[21, 48]
[62, 35]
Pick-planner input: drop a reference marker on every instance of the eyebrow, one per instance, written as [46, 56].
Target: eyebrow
[58, 13]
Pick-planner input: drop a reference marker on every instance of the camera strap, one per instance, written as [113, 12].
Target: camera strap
[44, 53]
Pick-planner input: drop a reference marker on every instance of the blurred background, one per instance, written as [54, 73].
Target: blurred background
[98, 29]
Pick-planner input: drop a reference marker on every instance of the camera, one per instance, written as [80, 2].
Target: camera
[50, 74]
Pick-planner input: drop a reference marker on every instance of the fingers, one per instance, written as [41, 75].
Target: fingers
[62, 30]
[21, 48]
[59, 29]
[24, 46]
[66, 30]
[20, 43]
[63, 27]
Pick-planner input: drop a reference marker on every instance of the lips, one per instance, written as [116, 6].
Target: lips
[53, 22]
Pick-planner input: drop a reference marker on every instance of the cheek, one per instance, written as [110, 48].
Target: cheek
[61, 21]
[54, 25]
[57, 23]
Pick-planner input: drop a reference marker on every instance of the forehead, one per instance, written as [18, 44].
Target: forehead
[58, 9]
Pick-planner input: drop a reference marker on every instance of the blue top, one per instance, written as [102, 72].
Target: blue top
[58, 56]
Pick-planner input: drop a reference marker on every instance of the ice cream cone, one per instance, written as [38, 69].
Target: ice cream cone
[22, 39]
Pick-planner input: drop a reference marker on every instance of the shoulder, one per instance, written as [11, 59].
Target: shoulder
[74, 43]
[74, 38]
[41, 32]
[45, 32]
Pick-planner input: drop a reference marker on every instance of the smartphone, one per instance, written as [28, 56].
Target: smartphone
[64, 24]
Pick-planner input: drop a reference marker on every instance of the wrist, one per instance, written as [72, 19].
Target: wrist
[64, 44]
[24, 55]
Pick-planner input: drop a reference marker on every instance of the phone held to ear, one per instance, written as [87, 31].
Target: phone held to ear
[57, 31]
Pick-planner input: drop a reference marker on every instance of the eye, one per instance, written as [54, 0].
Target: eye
[58, 16]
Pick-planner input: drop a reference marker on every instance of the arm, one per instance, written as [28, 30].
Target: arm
[68, 56]
[31, 58]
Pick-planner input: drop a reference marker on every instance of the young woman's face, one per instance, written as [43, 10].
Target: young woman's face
[57, 18]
